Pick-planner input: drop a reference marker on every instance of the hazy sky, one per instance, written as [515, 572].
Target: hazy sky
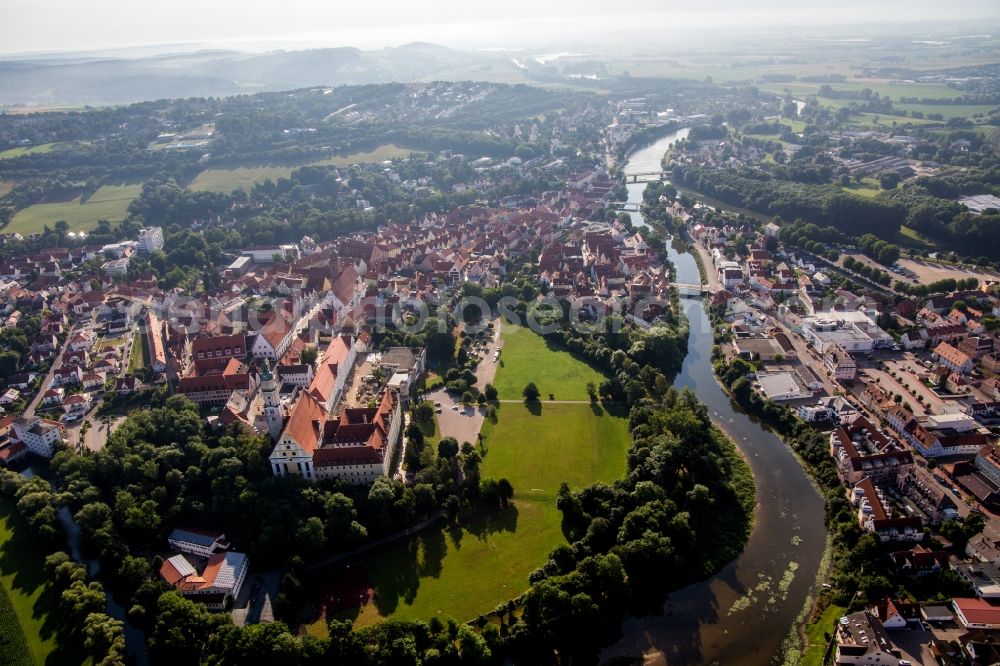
[67, 25]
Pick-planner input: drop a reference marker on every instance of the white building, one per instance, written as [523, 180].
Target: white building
[862, 639]
[265, 254]
[202, 543]
[781, 386]
[150, 239]
[116, 267]
[38, 434]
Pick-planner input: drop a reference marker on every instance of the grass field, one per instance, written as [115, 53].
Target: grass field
[868, 188]
[243, 178]
[384, 152]
[816, 642]
[109, 202]
[139, 356]
[461, 573]
[25, 150]
[526, 358]
[28, 634]
[237, 178]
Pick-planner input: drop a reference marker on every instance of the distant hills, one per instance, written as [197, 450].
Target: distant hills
[79, 80]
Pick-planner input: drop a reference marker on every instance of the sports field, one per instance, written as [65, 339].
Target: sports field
[237, 178]
[461, 573]
[109, 202]
[527, 358]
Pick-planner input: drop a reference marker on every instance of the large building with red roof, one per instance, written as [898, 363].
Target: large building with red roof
[358, 446]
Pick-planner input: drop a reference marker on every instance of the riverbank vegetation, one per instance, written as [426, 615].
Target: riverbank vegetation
[51, 611]
[859, 572]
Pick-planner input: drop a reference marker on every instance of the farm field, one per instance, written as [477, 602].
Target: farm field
[243, 177]
[527, 358]
[948, 110]
[6, 186]
[893, 90]
[109, 202]
[384, 152]
[28, 635]
[237, 178]
[25, 150]
[465, 571]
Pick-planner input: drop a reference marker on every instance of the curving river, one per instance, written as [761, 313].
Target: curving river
[742, 614]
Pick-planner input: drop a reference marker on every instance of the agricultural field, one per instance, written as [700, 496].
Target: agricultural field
[527, 358]
[29, 627]
[109, 202]
[6, 186]
[948, 111]
[466, 571]
[25, 150]
[384, 152]
[237, 178]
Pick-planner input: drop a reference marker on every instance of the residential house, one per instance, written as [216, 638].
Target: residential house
[861, 451]
[840, 364]
[38, 434]
[919, 561]
[875, 516]
[862, 639]
[953, 359]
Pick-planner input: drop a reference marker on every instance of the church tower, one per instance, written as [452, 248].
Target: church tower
[272, 401]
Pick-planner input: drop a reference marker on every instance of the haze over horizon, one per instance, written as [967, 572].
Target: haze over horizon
[52, 26]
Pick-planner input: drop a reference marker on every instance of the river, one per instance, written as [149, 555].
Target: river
[742, 614]
[135, 639]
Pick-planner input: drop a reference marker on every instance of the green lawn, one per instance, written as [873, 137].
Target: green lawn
[237, 178]
[527, 358]
[139, 356]
[28, 634]
[109, 202]
[461, 573]
[816, 642]
[914, 237]
[25, 150]
[868, 188]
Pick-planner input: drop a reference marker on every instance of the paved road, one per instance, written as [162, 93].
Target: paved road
[711, 275]
[47, 382]
[97, 436]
